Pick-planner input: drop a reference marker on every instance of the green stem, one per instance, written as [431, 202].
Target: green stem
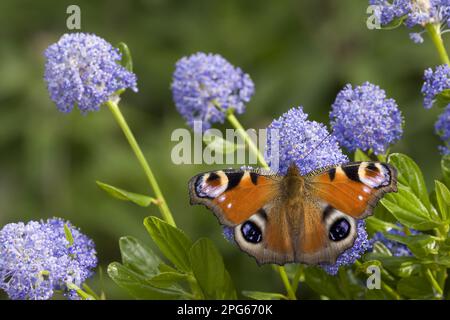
[253, 148]
[297, 278]
[244, 135]
[287, 284]
[88, 290]
[434, 283]
[434, 30]
[162, 205]
[83, 294]
[386, 288]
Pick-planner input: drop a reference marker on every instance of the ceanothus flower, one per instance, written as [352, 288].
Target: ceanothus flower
[435, 82]
[363, 118]
[36, 259]
[442, 128]
[414, 13]
[349, 256]
[205, 86]
[294, 139]
[397, 249]
[83, 70]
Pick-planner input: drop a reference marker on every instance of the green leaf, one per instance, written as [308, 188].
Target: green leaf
[218, 144]
[138, 286]
[421, 245]
[442, 99]
[172, 242]
[380, 249]
[445, 167]
[395, 23]
[415, 288]
[443, 200]
[377, 225]
[361, 156]
[138, 257]
[208, 268]
[401, 266]
[258, 295]
[126, 61]
[324, 284]
[167, 279]
[139, 199]
[409, 175]
[409, 210]
[68, 234]
[228, 291]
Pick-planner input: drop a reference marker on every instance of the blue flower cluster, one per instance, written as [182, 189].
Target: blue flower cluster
[434, 83]
[36, 259]
[442, 128]
[294, 139]
[349, 256]
[363, 118]
[82, 69]
[206, 85]
[414, 13]
[397, 249]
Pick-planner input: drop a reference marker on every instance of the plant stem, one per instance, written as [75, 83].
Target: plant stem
[162, 205]
[434, 30]
[243, 134]
[297, 278]
[253, 148]
[287, 284]
[434, 283]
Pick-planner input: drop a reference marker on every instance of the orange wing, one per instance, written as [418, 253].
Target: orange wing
[355, 188]
[233, 195]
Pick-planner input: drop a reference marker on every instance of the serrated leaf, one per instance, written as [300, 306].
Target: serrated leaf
[121, 194]
[172, 242]
[208, 268]
[139, 257]
[258, 295]
[443, 200]
[409, 210]
[410, 175]
[137, 285]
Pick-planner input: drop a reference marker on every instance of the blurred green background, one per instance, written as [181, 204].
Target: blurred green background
[297, 53]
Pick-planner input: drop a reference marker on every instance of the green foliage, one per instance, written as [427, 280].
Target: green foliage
[121, 194]
[198, 271]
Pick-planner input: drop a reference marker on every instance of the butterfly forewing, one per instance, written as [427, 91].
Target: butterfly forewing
[234, 195]
[355, 188]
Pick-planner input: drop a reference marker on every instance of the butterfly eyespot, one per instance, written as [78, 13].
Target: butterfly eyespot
[251, 232]
[339, 230]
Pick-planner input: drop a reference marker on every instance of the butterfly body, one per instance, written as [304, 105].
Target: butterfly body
[294, 218]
